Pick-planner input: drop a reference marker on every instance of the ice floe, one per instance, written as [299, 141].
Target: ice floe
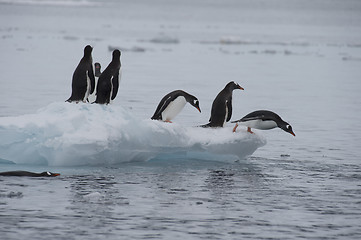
[63, 134]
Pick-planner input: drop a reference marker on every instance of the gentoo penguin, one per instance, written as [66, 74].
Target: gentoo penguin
[264, 120]
[97, 73]
[172, 103]
[108, 82]
[28, 174]
[97, 67]
[221, 111]
[83, 82]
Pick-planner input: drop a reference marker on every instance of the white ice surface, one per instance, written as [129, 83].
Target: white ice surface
[64, 134]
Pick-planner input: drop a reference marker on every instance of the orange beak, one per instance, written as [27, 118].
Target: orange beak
[56, 174]
[241, 88]
[292, 133]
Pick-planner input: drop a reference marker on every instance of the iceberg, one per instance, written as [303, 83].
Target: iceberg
[64, 134]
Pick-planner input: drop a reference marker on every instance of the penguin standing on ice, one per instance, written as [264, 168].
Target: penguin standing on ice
[108, 82]
[97, 67]
[97, 73]
[83, 82]
[264, 120]
[172, 103]
[221, 111]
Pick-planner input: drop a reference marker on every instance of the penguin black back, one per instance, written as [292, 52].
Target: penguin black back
[108, 82]
[83, 81]
[221, 111]
[28, 174]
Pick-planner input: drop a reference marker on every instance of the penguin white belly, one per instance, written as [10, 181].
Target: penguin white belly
[173, 108]
[225, 117]
[88, 87]
[259, 124]
[111, 90]
[92, 96]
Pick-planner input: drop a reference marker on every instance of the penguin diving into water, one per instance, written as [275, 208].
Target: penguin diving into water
[221, 111]
[28, 174]
[108, 82]
[264, 120]
[83, 82]
[172, 103]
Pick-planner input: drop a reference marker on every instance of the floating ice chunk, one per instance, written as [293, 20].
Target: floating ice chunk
[93, 196]
[70, 3]
[64, 134]
[231, 40]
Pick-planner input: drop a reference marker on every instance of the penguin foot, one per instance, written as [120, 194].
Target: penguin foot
[249, 130]
[168, 121]
[235, 127]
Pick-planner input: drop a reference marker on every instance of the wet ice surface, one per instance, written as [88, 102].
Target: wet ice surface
[300, 59]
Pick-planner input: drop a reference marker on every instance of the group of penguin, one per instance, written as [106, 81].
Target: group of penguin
[221, 111]
[83, 84]
[84, 81]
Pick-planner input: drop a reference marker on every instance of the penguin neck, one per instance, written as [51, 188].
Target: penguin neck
[187, 97]
[281, 124]
[116, 61]
[88, 57]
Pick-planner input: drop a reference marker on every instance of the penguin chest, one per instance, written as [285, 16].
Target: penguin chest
[173, 108]
[260, 124]
[111, 88]
[226, 115]
[88, 87]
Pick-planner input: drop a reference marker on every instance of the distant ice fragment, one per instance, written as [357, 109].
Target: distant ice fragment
[165, 40]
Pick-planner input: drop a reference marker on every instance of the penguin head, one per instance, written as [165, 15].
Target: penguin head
[116, 54]
[287, 128]
[88, 50]
[233, 85]
[97, 65]
[195, 103]
[49, 174]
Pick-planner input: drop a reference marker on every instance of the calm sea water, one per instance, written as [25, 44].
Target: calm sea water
[299, 59]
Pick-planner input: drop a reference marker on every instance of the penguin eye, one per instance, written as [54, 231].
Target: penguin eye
[195, 102]
[288, 127]
[49, 173]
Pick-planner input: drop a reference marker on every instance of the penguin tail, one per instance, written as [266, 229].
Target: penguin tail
[205, 125]
[156, 117]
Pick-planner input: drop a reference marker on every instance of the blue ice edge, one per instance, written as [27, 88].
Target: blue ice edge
[63, 134]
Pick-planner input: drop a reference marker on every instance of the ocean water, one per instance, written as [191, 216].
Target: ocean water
[126, 177]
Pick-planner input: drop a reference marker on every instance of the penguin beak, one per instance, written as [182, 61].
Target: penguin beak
[292, 133]
[240, 87]
[56, 174]
[199, 109]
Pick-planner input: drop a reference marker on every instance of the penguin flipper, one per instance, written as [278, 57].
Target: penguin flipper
[229, 107]
[115, 81]
[92, 78]
[245, 119]
[163, 105]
